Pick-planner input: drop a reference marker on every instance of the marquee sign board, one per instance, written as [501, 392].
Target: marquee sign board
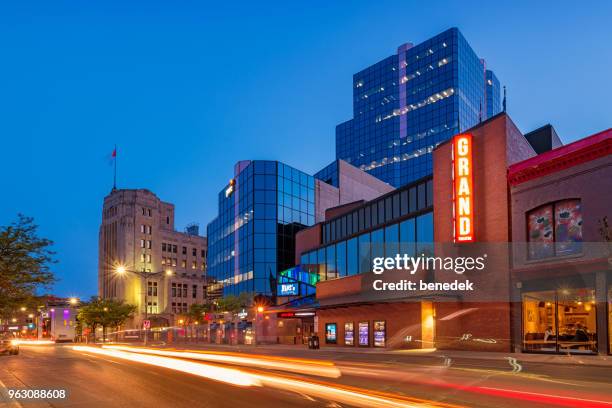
[463, 189]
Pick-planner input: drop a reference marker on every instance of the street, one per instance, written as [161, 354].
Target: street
[125, 376]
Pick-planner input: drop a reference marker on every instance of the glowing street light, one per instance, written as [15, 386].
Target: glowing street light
[121, 270]
[168, 272]
[260, 309]
[14, 320]
[30, 316]
[181, 321]
[23, 309]
[73, 300]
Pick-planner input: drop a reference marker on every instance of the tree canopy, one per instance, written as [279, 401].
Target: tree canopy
[25, 260]
[105, 312]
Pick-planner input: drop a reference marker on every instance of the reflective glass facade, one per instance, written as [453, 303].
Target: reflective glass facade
[406, 104]
[398, 222]
[253, 236]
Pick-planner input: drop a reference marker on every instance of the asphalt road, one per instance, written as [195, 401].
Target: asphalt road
[94, 380]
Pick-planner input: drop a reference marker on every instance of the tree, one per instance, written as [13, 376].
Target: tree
[25, 260]
[233, 304]
[105, 313]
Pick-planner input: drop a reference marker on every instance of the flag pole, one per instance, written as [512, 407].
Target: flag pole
[115, 170]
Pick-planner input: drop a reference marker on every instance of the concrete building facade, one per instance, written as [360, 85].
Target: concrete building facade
[137, 235]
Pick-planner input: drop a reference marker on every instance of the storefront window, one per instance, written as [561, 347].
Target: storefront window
[555, 229]
[380, 333]
[562, 321]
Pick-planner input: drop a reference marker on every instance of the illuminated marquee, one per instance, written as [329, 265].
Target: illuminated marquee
[463, 189]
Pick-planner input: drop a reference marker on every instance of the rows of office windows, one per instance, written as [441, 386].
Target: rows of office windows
[401, 203]
[165, 247]
[398, 150]
[349, 257]
[253, 235]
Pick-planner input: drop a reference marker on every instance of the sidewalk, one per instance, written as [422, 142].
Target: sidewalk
[408, 355]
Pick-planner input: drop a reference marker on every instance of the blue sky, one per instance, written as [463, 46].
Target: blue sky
[185, 89]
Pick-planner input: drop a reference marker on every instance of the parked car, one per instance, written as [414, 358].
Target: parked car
[8, 344]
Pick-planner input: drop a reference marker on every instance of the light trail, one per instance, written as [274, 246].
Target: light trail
[311, 367]
[227, 375]
[23, 342]
[343, 394]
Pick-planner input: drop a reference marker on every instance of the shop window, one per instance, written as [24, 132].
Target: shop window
[560, 321]
[555, 229]
[380, 333]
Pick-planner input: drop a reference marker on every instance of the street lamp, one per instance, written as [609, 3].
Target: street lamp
[23, 309]
[121, 270]
[73, 301]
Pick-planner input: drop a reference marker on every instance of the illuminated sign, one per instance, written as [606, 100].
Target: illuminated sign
[349, 334]
[331, 333]
[230, 189]
[288, 289]
[364, 333]
[285, 314]
[463, 193]
[380, 333]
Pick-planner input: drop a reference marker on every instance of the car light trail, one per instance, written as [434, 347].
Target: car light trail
[227, 375]
[343, 394]
[33, 342]
[318, 368]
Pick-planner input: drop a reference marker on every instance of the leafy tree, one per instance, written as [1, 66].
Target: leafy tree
[105, 313]
[25, 260]
[232, 303]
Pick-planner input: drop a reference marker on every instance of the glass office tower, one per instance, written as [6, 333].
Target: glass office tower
[406, 104]
[253, 236]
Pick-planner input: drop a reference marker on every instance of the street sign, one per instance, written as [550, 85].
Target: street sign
[146, 324]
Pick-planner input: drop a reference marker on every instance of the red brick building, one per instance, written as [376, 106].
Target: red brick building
[507, 181]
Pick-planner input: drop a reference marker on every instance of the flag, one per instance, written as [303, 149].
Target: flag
[114, 154]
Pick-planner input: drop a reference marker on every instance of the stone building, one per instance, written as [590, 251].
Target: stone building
[144, 261]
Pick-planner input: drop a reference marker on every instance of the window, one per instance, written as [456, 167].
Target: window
[142, 228]
[555, 229]
[152, 288]
[424, 234]
[184, 263]
[184, 250]
[163, 247]
[562, 320]
[149, 244]
[341, 258]
[352, 257]
[142, 243]
[173, 291]
[194, 264]
[203, 252]
[364, 253]
[194, 291]
[194, 252]
[332, 273]
[174, 249]
[185, 287]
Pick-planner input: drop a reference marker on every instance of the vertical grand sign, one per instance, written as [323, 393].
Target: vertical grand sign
[463, 193]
